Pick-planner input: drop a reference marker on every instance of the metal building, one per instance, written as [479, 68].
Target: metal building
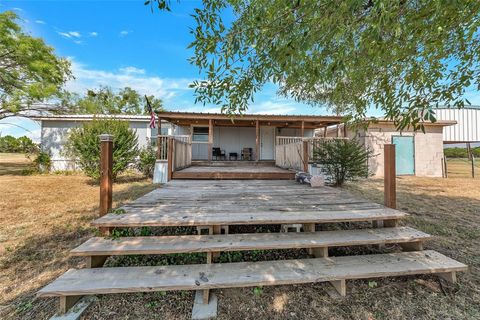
[467, 128]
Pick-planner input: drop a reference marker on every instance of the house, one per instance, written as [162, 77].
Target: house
[55, 129]
[417, 153]
[257, 138]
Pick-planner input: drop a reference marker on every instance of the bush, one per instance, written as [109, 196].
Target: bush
[146, 161]
[83, 144]
[43, 162]
[342, 160]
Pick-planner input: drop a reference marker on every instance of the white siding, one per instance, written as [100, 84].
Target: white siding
[55, 134]
[467, 128]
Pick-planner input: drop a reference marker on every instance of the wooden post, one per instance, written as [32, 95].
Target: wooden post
[469, 151]
[445, 166]
[473, 165]
[337, 127]
[344, 130]
[390, 190]
[257, 140]
[159, 139]
[170, 168]
[305, 156]
[325, 131]
[210, 139]
[302, 130]
[106, 163]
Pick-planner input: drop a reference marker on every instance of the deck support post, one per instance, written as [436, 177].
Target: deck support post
[257, 141]
[96, 261]
[106, 163]
[302, 130]
[321, 252]
[66, 302]
[210, 258]
[412, 246]
[448, 276]
[210, 139]
[340, 286]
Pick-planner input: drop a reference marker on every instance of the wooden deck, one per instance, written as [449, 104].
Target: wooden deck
[216, 204]
[207, 203]
[234, 170]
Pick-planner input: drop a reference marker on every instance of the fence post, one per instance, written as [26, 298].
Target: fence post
[390, 188]
[473, 165]
[305, 156]
[170, 158]
[106, 163]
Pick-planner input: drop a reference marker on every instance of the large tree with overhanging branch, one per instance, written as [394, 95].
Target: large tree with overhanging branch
[401, 56]
[30, 72]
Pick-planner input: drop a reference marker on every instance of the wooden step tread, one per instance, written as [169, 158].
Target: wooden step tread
[244, 274]
[254, 241]
[152, 217]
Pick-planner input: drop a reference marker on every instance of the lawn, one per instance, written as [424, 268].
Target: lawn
[44, 216]
[462, 168]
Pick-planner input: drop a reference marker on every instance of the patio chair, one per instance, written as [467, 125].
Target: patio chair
[219, 153]
[247, 154]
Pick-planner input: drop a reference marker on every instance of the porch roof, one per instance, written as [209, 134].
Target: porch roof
[249, 120]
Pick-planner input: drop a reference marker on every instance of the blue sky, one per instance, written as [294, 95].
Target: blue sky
[122, 43]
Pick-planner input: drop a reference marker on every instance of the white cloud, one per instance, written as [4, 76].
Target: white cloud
[124, 33]
[40, 22]
[132, 70]
[164, 88]
[93, 34]
[274, 107]
[17, 9]
[70, 34]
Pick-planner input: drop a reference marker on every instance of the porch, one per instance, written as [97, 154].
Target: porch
[217, 146]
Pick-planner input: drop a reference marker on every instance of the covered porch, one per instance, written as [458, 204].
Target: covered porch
[217, 146]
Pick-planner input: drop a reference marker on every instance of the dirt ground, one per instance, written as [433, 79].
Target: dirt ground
[43, 216]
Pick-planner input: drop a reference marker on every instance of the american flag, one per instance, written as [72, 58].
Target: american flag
[152, 114]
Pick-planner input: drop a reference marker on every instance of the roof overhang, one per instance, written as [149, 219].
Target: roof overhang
[249, 120]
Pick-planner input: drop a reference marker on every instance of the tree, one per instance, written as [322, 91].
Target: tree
[105, 100]
[403, 57]
[30, 72]
[83, 145]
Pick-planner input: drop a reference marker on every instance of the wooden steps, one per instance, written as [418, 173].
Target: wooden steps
[215, 175]
[100, 246]
[244, 274]
[153, 218]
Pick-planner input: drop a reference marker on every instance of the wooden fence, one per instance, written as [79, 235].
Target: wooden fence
[296, 152]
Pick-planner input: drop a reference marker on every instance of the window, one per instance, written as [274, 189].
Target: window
[200, 134]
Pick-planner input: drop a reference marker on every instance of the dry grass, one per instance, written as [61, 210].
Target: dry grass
[44, 216]
[462, 168]
[14, 163]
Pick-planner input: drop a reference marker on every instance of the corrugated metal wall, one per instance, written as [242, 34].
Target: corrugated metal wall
[467, 128]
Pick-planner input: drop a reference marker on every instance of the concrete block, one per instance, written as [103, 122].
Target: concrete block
[203, 311]
[317, 181]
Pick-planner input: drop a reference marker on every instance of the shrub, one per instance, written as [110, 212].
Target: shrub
[146, 161]
[43, 162]
[342, 160]
[83, 144]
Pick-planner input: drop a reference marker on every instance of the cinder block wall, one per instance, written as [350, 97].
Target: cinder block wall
[428, 148]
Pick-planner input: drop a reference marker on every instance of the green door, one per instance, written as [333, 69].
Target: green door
[404, 155]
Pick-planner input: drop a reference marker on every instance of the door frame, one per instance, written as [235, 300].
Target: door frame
[414, 154]
[274, 133]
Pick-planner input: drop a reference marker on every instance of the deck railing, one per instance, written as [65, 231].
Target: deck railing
[176, 151]
[297, 152]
